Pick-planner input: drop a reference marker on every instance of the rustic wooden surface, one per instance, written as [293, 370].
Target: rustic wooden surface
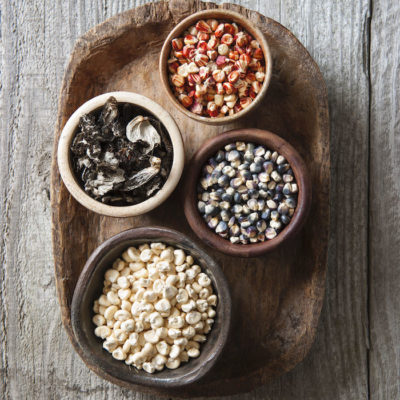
[356, 354]
[278, 295]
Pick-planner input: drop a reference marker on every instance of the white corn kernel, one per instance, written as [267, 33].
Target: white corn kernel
[190, 274]
[163, 348]
[126, 305]
[173, 363]
[167, 255]
[136, 266]
[163, 306]
[138, 359]
[98, 320]
[204, 293]
[150, 296]
[158, 286]
[110, 344]
[159, 360]
[192, 344]
[199, 338]
[189, 260]
[139, 326]
[188, 332]
[193, 317]
[211, 313]
[151, 336]
[119, 354]
[128, 325]
[149, 367]
[103, 301]
[102, 331]
[111, 275]
[164, 266]
[162, 332]
[123, 282]
[175, 351]
[204, 280]
[182, 296]
[193, 352]
[147, 349]
[196, 287]
[191, 292]
[156, 320]
[125, 272]
[123, 294]
[212, 300]
[122, 315]
[157, 246]
[172, 280]
[126, 347]
[112, 297]
[189, 306]
[120, 335]
[169, 292]
[176, 322]
[199, 326]
[146, 255]
[133, 339]
[110, 311]
[179, 257]
[182, 342]
[174, 333]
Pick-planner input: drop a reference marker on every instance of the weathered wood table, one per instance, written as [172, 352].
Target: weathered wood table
[356, 354]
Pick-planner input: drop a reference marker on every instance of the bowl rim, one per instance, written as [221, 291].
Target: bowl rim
[216, 13]
[273, 142]
[69, 178]
[219, 282]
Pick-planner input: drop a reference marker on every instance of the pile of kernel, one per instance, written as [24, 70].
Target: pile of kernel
[247, 193]
[156, 308]
[216, 68]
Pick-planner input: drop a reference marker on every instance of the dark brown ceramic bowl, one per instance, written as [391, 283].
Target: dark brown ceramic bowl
[220, 14]
[89, 288]
[272, 142]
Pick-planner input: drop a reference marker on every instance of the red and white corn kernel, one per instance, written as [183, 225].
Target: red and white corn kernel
[216, 68]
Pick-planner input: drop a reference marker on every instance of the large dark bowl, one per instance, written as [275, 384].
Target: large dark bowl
[89, 288]
[272, 142]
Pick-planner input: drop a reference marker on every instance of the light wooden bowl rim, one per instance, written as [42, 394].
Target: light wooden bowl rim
[189, 372]
[221, 14]
[274, 143]
[68, 176]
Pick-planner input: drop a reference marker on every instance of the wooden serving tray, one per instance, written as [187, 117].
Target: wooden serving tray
[277, 298]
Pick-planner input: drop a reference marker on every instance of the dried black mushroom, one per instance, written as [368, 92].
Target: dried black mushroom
[121, 154]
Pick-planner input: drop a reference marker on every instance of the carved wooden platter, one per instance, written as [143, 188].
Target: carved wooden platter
[277, 298]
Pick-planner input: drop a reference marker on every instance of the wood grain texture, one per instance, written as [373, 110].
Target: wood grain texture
[37, 360]
[278, 295]
[384, 191]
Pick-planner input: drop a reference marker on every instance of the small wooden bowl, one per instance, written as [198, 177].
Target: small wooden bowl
[69, 178]
[217, 14]
[272, 142]
[89, 288]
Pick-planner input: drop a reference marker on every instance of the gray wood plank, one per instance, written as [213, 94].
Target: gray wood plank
[37, 360]
[336, 367]
[384, 237]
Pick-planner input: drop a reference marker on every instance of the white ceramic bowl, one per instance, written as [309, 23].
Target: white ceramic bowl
[67, 173]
